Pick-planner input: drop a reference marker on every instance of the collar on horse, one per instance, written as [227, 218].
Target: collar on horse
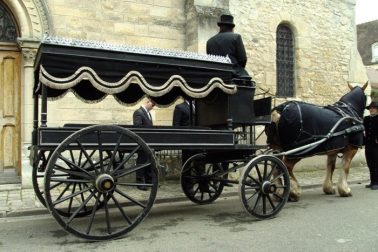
[344, 110]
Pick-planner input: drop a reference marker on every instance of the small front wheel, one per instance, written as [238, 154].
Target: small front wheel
[264, 186]
[201, 179]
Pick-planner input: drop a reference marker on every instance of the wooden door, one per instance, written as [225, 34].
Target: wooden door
[10, 111]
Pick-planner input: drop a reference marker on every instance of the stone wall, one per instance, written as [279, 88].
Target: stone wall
[156, 23]
[325, 44]
[150, 23]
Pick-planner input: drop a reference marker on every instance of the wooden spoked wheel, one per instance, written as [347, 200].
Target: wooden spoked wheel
[201, 180]
[38, 174]
[94, 170]
[264, 186]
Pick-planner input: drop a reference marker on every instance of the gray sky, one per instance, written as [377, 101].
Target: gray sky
[366, 10]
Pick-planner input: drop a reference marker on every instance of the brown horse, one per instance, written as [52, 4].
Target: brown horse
[298, 127]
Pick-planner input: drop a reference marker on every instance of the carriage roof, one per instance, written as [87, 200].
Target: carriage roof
[93, 70]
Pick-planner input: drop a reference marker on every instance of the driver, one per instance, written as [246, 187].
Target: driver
[228, 43]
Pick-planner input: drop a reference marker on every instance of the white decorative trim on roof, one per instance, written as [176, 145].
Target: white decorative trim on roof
[133, 77]
[134, 49]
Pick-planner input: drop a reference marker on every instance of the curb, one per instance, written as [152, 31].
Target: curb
[44, 211]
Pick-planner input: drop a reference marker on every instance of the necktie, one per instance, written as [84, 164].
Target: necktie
[149, 116]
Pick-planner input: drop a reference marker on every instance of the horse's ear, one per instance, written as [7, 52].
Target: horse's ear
[350, 85]
[365, 85]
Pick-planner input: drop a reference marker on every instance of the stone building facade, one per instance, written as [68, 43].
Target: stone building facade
[367, 44]
[325, 55]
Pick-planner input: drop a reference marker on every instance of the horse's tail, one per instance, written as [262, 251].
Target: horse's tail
[275, 116]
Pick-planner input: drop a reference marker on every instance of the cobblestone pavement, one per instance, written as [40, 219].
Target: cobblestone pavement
[15, 201]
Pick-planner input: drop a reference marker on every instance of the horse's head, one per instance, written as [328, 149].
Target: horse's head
[271, 132]
[356, 98]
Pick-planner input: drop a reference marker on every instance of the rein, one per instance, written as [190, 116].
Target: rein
[340, 108]
[308, 147]
[347, 113]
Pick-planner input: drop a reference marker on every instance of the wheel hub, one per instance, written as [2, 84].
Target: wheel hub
[104, 183]
[267, 187]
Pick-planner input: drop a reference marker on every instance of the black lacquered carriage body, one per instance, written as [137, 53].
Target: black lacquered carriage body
[85, 174]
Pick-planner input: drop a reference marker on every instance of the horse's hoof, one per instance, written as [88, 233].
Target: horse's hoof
[329, 192]
[293, 197]
[345, 194]
[290, 199]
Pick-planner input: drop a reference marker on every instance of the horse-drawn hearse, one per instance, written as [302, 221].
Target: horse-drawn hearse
[85, 174]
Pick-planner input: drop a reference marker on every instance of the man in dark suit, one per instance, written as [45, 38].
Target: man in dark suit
[142, 117]
[228, 43]
[181, 117]
[181, 114]
[371, 143]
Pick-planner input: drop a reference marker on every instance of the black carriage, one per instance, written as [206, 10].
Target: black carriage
[85, 174]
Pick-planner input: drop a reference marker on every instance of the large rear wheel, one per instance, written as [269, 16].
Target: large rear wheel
[38, 174]
[98, 179]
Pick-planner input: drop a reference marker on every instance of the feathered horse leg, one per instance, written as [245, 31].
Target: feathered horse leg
[295, 190]
[342, 185]
[331, 165]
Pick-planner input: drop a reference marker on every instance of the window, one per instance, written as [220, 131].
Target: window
[285, 61]
[374, 52]
[8, 28]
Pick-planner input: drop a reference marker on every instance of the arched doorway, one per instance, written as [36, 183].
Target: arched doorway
[10, 100]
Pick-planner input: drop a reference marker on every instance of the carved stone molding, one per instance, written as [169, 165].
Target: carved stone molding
[212, 9]
[28, 55]
[45, 20]
[37, 13]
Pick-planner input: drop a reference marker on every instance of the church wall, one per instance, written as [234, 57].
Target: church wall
[146, 23]
[324, 38]
[142, 22]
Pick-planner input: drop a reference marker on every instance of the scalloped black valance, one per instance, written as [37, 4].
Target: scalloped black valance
[92, 73]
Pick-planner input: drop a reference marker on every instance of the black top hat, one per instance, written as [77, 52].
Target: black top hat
[226, 20]
[373, 104]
